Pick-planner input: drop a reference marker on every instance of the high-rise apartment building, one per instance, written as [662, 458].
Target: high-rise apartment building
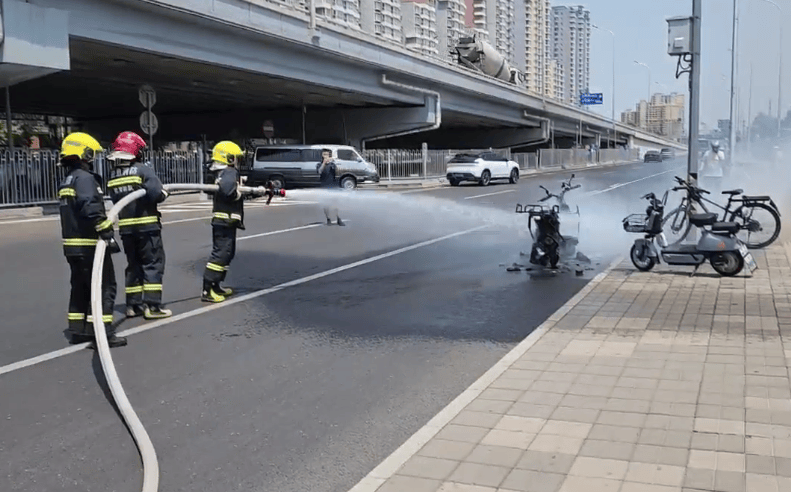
[344, 12]
[536, 54]
[450, 26]
[382, 18]
[419, 25]
[663, 115]
[571, 31]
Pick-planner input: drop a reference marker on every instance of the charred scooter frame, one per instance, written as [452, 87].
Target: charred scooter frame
[718, 245]
[548, 244]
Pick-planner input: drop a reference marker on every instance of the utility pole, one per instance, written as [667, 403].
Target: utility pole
[694, 95]
[750, 112]
[734, 44]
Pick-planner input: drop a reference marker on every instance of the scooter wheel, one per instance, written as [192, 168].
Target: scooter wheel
[727, 264]
[640, 259]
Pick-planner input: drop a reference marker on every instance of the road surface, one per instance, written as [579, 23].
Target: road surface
[304, 387]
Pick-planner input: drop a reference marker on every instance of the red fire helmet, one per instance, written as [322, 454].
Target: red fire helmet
[127, 146]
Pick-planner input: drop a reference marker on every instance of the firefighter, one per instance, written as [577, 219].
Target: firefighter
[140, 226]
[227, 217]
[83, 223]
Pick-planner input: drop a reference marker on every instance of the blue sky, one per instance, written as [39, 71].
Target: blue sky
[641, 34]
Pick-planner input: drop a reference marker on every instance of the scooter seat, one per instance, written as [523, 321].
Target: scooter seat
[727, 227]
[738, 191]
[700, 220]
[761, 198]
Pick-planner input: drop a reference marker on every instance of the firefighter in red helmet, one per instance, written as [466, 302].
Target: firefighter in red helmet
[140, 226]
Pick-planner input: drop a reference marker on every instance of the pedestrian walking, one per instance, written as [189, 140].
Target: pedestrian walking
[140, 226]
[328, 176]
[84, 223]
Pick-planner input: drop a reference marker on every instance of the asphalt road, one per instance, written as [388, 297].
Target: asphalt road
[307, 387]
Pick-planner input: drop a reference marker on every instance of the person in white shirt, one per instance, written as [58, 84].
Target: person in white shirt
[712, 169]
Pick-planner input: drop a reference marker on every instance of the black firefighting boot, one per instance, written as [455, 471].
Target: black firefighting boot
[134, 311]
[157, 312]
[329, 221]
[209, 294]
[340, 222]
[225, 292]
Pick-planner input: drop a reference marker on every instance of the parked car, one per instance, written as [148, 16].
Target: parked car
[652, 156]
[481, 167]
[667, 153]
[291, 166]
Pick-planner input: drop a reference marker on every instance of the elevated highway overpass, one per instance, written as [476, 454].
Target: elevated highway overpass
[223, 67]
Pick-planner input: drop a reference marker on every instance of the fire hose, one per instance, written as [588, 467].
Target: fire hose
[142, 440]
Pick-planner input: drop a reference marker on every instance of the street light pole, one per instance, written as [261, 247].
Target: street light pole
[734, 35]
[780, 66]
[614, 128]
[648, 101]
[694, 97]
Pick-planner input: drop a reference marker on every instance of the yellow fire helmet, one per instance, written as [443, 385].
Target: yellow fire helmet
[227, 152]
[80, 145]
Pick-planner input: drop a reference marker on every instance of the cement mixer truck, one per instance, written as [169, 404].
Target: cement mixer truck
[482, 57]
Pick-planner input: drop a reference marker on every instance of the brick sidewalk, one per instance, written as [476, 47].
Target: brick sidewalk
[651, 382]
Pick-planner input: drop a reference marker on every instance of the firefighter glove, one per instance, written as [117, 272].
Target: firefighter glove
[112, 246]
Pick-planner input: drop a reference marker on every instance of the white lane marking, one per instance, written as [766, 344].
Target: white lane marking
[489, 194]
[272, 233]
[186, 220]
[619, 185]
[390, 465]
[236, 300]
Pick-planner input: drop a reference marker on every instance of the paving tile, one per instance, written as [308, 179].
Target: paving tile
[463, 433]
[541, 398]
[400, 483]
[509, 439]
[519, 409]
[492, 406]
[645, 453]
[642, 487]
[570, 414]
[760, 464]
[728, 481]
[546, 462]
[464, 487]
[494, 455]
[425, 467]
[699, 479]
[577, 430]
[451, 450]
[532, 481]
[477, 419]
[607, 449]
[783, 466]
[599, 468]
[477, 474]
[556, 444]
[759, 445]
[520, 424]
[577, 484]
[602, 432]
[621, 418]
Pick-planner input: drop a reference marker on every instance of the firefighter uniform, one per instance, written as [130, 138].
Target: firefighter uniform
[83, 223]
[227, 217]
[140, 227]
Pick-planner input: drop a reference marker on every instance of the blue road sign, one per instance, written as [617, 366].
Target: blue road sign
[591, 98]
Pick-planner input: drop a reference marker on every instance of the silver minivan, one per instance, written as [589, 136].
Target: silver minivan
[290, 166]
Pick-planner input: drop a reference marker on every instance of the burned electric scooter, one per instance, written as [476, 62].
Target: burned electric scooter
[549, 245]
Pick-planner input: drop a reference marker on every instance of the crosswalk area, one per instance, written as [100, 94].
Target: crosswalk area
[207, 205]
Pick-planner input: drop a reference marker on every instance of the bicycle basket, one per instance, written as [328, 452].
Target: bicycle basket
[636, 223]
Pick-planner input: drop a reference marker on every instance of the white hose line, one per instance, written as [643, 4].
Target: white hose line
[144, 445]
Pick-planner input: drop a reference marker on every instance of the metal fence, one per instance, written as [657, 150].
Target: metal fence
[412, 163]
[32, 177]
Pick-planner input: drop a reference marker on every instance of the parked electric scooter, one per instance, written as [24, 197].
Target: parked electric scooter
[718, 245]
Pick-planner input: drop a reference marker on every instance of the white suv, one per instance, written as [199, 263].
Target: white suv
[483, 168]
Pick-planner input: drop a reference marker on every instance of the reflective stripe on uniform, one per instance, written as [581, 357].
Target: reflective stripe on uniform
[221, 215]
[149, 219]
[78, 241]
[107, 318]
[125, 181]
[236, 217]
[137, 289]
[152, 287]
[104, 225]
[216, 267]
[76, 316]
[66, 192]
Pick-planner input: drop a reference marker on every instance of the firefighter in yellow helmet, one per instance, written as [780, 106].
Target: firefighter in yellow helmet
[83, 223]
[227, 217]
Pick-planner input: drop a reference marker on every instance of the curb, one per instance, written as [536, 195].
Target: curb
[390, 465]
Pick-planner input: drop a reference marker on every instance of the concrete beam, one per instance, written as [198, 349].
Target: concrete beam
[484, 139]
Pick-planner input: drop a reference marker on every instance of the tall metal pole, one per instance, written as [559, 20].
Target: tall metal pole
[694, 95]
[734, 44]
[750, 112]
[614, 129]
[780, 80]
